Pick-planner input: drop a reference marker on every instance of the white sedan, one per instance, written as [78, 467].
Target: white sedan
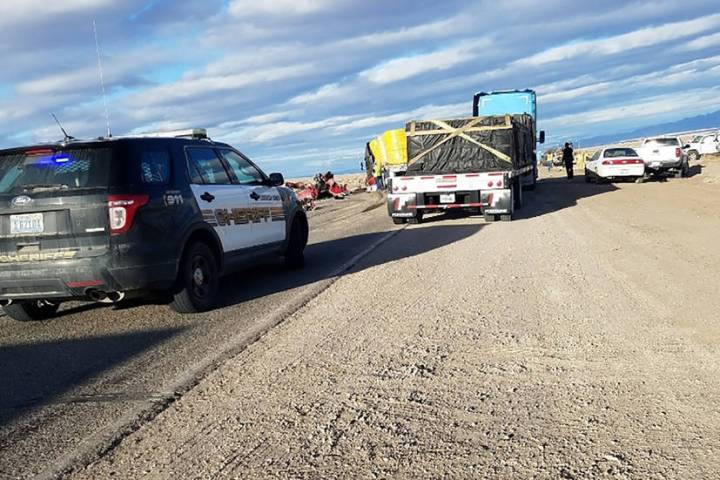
[615, 163]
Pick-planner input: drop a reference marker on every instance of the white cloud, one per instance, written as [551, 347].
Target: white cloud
[407, 67]
[14, 12]
[329, 91]
[704, 69]
[400, 118]
[654, 109]
[247, 8]
[701, 43]
[644, 37]
[197, 86]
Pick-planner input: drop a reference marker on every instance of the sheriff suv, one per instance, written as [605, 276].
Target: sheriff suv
[105, 219]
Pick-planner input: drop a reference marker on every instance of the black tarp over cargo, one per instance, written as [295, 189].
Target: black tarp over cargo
[477, 144]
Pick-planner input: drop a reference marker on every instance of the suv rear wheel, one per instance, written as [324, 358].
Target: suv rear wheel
[31, 311]
[198, 281]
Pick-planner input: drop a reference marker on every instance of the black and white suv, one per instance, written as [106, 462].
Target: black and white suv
[113, 217]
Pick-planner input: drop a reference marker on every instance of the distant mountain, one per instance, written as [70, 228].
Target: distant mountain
[700, 122]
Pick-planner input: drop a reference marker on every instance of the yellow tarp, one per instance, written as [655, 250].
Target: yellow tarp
[389, 150]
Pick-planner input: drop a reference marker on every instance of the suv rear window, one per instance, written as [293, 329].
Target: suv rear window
[619, 152]
[68, 169]
[663, 142]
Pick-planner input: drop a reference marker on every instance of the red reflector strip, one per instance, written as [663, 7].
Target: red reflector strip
[426, 178]
[447, 186]
[406, 178]
[87, 283]
[495, 174]
[472, 175]
[449, 176]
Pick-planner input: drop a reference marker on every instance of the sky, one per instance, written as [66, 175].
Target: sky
[301, 85]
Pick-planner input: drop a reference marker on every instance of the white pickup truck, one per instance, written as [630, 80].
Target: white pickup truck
[663, 156]
[700, 145]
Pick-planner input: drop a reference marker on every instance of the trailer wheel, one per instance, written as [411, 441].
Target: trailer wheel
[506, 218]
[417, 219]
[489, 217]
[398, 221]
[517, 194]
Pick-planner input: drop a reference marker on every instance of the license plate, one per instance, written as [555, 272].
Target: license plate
[447, 198]
[624, 172]
[26, 224]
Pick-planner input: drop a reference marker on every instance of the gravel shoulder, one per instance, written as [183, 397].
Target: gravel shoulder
[580, 341]
[76, 384]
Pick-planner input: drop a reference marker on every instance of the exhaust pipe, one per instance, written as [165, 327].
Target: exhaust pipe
[101, 296]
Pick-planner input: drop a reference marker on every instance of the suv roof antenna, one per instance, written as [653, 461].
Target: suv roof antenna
[102, 80]
[67, 137]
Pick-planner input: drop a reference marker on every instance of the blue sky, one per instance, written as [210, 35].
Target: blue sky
[301, 85]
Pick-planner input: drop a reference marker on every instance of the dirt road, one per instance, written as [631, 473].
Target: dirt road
[580, 341]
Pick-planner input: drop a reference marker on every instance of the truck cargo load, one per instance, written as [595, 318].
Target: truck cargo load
[470, 145]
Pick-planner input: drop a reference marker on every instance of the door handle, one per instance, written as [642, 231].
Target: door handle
[207, 196]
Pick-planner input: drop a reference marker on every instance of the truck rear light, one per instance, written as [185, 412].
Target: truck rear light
[122, 209]
[490, 184]
[404, 187]
[395, 188]
[499, 184]
[678, 152]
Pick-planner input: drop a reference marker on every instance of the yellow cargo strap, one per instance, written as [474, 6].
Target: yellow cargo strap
[461, 132]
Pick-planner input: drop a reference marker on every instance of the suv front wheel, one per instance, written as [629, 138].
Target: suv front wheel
[295, 252]
[31, 311]
[198, 282]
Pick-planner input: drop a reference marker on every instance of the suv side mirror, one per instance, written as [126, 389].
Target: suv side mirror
[276, 179]
[542, 136]
[686, 147]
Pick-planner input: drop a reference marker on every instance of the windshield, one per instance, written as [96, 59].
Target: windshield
[68, 169]
[663, 142]
[620, 152]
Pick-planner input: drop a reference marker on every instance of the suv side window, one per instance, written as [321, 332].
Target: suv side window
[155, 166]
[245, 173]
[595, 156]
[206, 167]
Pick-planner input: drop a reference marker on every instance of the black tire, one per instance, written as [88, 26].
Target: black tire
[31, 311]
[198, 282]
[517, 192]
[640, 180]
[693, 156]
[489, 217]
[506, 218]
[398, 221]
[417, 219]
[587, 176]
[295, 252]
[531, 186]
[685, 170]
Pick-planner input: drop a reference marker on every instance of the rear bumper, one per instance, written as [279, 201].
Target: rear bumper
[73, 278]
[662, 166]
[622, 171]
[407, 205]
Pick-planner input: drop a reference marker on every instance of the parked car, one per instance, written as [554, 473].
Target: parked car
[613, 163]
[108, 218]
[663, 156]
[700, 145]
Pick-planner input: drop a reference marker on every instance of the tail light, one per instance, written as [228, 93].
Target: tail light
[623, 162]
[121, 211]
[678, 152]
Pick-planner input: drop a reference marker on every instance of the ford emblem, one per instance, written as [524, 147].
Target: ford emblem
[21, 201]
